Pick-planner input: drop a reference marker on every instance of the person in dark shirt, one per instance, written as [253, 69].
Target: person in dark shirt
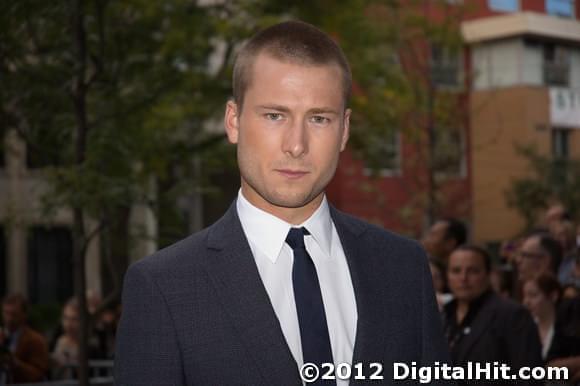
[542, 295]
[568, 320]
[480, 325]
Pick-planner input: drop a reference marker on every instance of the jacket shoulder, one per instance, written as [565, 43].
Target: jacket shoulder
[505, 305]
[375, 234]
[180, 254]
[509, 312]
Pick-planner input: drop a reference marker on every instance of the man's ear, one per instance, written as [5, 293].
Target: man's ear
[345, 129]
[232, 121]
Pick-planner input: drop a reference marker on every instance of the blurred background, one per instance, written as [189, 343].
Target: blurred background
[112, 145]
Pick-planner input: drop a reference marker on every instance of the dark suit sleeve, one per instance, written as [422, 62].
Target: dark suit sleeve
[434, 347]
[147, 351]
[523, 345]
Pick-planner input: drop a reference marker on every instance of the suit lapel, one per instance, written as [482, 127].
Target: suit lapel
[479, 325]
[232, 268]
[372, 321]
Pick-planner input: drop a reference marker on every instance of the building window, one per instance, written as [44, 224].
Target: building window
[448, 157]
[445, 67]
[504, 5]
[50, 273]
[384, 157]
[560, 143]
[563, 8]
[556, 61]
[556, 65]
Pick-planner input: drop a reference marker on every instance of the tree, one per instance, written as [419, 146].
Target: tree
[550, 179]
[113, 100]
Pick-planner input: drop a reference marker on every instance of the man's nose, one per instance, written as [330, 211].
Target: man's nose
[296, 139]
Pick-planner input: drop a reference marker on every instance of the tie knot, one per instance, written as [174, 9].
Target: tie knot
[295, 237]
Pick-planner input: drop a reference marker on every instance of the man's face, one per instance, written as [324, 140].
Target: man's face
[532, 260]
[435, 241]
[289, 134]
[466, 275]
[12, 316]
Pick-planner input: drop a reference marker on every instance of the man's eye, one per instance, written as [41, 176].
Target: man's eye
[274, 116]
[320, 119]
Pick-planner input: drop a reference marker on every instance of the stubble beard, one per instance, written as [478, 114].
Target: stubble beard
[279, 196]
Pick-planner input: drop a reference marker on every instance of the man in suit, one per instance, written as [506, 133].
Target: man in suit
[483, 327]
[283, 278]
[25, 351]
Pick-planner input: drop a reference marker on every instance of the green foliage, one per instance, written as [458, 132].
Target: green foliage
[157, 73]
[550, 179]
[44, 318]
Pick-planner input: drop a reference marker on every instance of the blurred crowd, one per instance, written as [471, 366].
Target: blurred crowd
[29, 356]
[520, 306]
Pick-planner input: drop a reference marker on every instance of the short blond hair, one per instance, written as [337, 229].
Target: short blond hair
[291, 41]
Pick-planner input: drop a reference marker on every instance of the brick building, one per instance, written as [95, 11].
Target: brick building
[523, 61]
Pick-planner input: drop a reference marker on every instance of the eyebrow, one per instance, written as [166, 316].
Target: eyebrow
[281, 108]
[324, 110]
[316, 110]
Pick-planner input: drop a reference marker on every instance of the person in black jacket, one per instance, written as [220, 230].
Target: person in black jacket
[483, 327]
[568, 354]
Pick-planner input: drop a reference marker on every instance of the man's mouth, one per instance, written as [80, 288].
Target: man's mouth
[292, 173]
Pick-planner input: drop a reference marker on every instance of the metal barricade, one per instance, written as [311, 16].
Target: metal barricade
[106, 381]
[100, 371]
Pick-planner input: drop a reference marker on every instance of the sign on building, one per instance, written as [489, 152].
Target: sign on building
[565, 107]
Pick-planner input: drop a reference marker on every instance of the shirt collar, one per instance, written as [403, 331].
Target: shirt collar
[268, 232]
[320, 227]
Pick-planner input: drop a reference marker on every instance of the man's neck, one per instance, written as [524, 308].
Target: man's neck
[461, 311]
[292, 216]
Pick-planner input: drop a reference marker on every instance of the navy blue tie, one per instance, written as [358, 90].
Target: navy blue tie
[309, 306]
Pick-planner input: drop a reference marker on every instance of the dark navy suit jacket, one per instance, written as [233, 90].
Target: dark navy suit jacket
[502, 331]
[197, 313]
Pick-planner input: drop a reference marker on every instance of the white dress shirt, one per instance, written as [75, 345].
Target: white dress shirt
[266, 234]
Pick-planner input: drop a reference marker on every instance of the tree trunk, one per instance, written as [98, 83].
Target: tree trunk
[431, 158]
[80, 292]
[79, 100]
